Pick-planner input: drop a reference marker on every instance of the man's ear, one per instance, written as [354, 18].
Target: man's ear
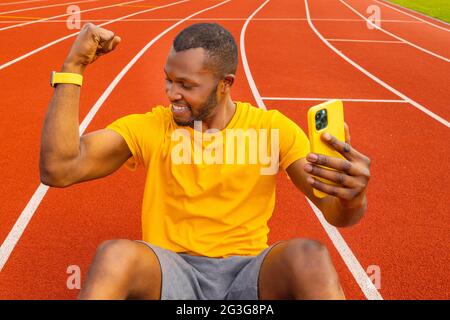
[227, 83]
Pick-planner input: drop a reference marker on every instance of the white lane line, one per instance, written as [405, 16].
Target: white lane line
[26, 215]
[393, 35]
[8, 3]
[49, 6]
[367, 287]
[326, 99]
[248, 73]
[341, 246]
[368, 41]
[416, 17]
[21, 223]
[9, 63]
[65, 15]
[373, 77]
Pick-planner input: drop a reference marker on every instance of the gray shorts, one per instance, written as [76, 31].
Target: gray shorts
[188, 277]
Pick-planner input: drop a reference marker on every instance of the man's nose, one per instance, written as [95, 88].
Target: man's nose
[172, 93]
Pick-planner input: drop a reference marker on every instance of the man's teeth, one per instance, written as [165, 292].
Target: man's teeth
[178, 108]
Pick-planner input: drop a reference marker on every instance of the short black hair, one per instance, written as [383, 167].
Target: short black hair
[219, 44]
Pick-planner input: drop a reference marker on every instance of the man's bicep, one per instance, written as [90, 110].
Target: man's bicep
[101, 153]
[298, 176]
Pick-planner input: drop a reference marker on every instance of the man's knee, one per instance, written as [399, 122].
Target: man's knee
[307, 259]
[123, 269]
[116, 255]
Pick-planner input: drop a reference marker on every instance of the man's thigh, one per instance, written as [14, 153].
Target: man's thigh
[147, 280]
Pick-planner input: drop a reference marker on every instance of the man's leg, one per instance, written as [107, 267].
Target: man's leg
[123, 269]
[299, 269]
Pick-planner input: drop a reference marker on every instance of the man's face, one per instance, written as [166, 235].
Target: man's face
[190, 86]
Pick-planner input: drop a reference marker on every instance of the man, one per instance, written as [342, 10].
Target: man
[204, 215]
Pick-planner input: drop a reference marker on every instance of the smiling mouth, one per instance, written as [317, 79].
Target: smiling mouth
[180, 108]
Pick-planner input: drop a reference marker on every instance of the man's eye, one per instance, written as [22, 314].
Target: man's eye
[186, 86]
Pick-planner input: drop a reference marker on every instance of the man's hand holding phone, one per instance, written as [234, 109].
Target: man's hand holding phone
[350, 175]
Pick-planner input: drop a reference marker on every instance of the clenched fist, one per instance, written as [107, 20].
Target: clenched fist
[91, 43]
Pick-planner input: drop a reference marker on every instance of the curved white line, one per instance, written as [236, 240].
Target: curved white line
[415, 17]
[64, 15]
[9, 63]
[393, 35]
[49, 6]
[338, 241]
[26, 215]
[251, 82]
[371, 76]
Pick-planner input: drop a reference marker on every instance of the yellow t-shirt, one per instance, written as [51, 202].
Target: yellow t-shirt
[213, 195]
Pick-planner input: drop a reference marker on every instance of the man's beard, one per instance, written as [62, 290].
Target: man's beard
[206, 110]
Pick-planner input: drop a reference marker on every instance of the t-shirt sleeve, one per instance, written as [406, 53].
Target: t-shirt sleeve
[294, 144]
[135, 130]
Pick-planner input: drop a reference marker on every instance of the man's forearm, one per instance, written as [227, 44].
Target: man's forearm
[338, 215]
[60, 133]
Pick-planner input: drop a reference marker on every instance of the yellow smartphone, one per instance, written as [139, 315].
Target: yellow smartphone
[325, 117]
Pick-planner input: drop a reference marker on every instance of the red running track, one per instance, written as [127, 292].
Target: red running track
[405, 231]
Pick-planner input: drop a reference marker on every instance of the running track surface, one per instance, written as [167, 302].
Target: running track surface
[405, 232]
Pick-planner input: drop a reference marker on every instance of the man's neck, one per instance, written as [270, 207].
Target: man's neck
[222, 116]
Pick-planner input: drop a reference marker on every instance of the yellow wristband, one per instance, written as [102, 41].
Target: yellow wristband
[65, 77]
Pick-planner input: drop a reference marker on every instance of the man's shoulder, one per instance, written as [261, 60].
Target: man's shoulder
[157, 113]
[251, 109]
[268, 119]
[257, 114]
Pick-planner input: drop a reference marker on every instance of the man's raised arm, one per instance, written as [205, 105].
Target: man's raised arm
[65, 158]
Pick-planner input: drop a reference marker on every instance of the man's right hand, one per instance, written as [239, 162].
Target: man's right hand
[91, 43]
